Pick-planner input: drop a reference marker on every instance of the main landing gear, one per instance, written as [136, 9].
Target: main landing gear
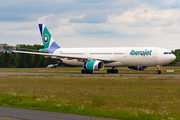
[85, 71]
[158, 71]
[112, 70]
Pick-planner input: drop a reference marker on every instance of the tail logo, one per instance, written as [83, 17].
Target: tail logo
[46, 38]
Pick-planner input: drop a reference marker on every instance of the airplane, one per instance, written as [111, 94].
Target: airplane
[95, 59]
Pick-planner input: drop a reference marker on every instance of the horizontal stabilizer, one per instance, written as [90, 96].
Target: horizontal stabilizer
[31, 50]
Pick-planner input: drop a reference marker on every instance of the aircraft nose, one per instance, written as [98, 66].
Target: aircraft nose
[173, 57]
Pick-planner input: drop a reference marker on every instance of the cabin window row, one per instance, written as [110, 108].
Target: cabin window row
[95, 53]
[167, 52]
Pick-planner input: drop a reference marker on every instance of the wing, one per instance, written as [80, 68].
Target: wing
[69, 57]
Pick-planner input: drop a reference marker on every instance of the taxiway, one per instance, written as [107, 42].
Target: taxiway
[95, 74]
[25, 114]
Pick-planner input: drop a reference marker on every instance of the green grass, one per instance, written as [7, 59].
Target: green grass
[121, 97]
[150, 70]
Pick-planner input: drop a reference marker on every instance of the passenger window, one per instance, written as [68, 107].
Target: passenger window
[167, 52]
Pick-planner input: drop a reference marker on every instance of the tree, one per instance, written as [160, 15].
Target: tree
[35, 61]
[12, 57]
[6, 59]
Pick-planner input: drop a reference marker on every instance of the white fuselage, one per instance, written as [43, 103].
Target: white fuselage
[124, 56]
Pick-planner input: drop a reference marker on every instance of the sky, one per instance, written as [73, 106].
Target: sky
[92, 23]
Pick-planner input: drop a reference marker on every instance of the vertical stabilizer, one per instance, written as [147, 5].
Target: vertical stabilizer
[48, 41]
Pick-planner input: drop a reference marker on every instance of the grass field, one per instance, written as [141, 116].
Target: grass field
[151, 70]
[122, 97]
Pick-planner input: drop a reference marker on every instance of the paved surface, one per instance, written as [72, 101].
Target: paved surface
[79, 74]
[17, 113]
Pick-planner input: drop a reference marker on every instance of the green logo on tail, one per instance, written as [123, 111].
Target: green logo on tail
[46, 37]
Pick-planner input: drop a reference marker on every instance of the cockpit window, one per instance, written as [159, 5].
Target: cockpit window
[167, 52]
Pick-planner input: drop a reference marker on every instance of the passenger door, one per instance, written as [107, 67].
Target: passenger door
[155, 53]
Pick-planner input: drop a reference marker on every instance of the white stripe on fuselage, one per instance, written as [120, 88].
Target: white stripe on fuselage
[152, 55]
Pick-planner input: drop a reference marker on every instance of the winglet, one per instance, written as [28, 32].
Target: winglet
[6, 48]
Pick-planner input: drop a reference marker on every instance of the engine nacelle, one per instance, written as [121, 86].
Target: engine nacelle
[94, 65]
[138, 67]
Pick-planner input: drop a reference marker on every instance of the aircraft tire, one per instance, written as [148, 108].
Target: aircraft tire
[87, 71]
[108, 71]
[112, 71]
[116, 71]
[83, 71]
[91, 72]
[158, 72]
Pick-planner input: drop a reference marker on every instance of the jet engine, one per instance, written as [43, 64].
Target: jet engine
[94, 65]
[138, 67]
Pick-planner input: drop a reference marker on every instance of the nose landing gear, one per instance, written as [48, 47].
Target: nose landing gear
[112, 70]
[158, 71]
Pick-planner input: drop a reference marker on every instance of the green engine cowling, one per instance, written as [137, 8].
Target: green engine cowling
[94, 65]
[138, 67]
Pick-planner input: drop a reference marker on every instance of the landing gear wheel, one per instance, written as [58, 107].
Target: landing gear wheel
[91, 72]
[83, 71]
[116, 71]
[87, 71]
[112, 71]
[158, 72]
[108, 71]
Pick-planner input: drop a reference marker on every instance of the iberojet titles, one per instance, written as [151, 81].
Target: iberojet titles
[143, 53]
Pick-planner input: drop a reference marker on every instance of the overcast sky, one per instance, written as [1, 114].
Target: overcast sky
[92, 23]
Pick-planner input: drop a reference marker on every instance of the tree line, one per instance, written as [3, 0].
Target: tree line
[19, 60]
[177, 54]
